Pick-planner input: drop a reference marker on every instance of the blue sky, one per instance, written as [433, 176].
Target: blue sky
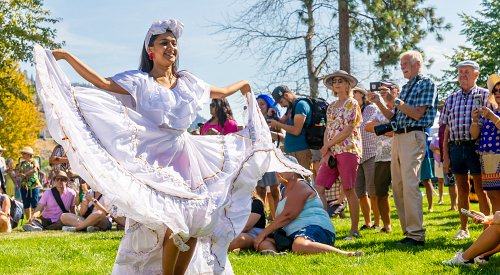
[108, 35]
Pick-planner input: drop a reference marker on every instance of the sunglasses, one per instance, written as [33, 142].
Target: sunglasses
[60, 179]
[212, 105]
[338, 80]
[495, 91]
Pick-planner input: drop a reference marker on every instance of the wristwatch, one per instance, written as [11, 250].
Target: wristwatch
[397, 102]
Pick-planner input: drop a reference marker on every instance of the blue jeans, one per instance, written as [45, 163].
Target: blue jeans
[315, 233]
[30, 197]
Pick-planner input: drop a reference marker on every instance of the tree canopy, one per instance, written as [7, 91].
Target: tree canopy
[482, 31]
[22, 23]
[287, 36]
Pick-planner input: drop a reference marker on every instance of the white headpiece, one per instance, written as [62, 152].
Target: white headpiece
[159, 27]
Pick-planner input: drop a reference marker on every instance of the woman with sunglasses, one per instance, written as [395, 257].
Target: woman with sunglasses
[487, 127]
[221, 122]
[185, 196]
[342, 144]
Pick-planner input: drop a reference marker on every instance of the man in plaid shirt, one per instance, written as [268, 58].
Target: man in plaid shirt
[414, 110]
[458, 146]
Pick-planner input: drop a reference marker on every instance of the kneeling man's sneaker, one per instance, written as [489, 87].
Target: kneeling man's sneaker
[69, 228]
[458, 260]
[31, 228]
[462, 234]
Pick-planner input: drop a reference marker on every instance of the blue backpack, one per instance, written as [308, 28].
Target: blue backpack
[16, 212]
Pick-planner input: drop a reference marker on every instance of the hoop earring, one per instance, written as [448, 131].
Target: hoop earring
[283, 179]
[150, 56]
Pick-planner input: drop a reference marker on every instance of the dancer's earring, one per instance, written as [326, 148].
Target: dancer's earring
[283, 179]
[150, 56]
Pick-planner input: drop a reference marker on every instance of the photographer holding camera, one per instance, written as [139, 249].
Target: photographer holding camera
[414, 111]
[384, 133]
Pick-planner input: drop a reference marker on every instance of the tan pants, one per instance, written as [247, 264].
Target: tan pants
[408, 150]
[303, 157]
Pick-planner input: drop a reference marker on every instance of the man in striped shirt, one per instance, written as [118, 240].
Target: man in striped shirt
[459, 149]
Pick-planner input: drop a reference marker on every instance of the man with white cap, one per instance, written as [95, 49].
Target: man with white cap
[459, 148]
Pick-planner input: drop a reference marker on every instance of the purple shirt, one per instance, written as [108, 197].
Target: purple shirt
[457, 112]
[52, 210]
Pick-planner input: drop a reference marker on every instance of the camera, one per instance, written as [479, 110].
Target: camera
[385, 128]
[274, 116]
[375, 86]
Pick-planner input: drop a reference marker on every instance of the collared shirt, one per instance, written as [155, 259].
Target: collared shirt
[349, 114]
[369, 140]
[419, 91]
[457, 111]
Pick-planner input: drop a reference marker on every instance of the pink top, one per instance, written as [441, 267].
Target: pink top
[337, 119]
[52, 210]
[229, 127]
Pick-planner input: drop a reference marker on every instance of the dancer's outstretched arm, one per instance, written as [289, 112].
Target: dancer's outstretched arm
[87, 73]
[242, 85]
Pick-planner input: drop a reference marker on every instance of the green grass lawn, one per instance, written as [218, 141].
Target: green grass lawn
[94, 253]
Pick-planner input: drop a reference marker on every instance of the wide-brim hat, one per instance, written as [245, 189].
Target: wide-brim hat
[61, 173]
[492, 81]
[27, 150]
[360, 88]
[327, 80]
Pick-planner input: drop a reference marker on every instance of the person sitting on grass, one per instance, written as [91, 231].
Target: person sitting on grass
[5, 226]
[485, 246]
[301, 215]
[52, 205]
[93, 215]
[255, 224]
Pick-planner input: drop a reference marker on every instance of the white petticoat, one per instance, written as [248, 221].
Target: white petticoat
[160, 177]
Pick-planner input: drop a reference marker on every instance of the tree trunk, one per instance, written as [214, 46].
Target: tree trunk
[345, 56]
[311, 69]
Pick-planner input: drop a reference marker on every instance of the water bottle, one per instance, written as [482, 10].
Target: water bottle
[322, 122]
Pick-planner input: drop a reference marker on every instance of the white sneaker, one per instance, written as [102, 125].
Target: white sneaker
[69, 228]
[462, 234]
[93, 229]
[31, 228]
[457, 260]
[480, 260]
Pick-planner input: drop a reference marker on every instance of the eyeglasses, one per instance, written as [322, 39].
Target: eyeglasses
[338, 80]
[60, 179]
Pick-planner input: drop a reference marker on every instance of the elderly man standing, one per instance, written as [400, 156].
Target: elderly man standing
[414, 110]
[458, 146]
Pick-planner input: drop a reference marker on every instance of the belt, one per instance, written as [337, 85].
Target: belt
[409, 129]
[463, 142]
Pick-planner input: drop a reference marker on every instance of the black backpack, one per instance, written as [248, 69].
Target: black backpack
[315, 130]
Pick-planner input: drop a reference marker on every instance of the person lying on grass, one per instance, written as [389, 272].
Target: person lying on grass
[485, 246]
[301, 215]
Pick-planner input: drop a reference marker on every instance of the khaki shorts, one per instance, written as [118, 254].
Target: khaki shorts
[303, 157]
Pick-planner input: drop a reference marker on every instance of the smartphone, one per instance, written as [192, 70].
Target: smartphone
[477, 101]
[375, 86]
[470, 214]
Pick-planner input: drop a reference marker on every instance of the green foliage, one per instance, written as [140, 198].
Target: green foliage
[22, 23]
[21, 119]
[56, 252]
[482, 31]
[389, 28]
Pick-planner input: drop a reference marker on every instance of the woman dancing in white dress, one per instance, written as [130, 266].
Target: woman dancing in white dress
[185, 196]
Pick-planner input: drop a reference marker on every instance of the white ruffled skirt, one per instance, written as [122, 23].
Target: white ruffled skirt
[197, 186]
